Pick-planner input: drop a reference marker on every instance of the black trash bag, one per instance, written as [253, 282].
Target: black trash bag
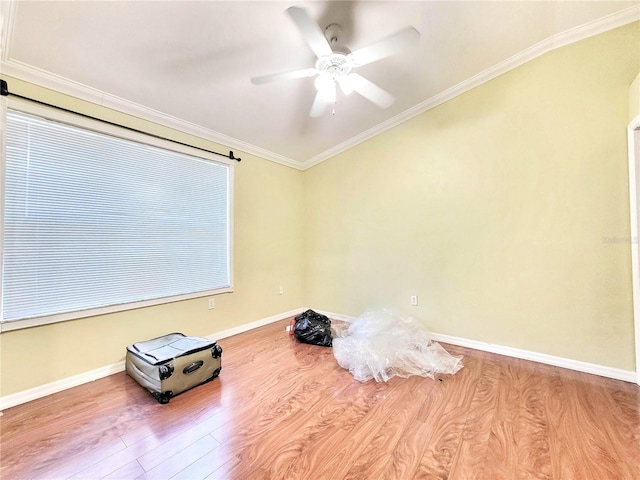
[313, 328]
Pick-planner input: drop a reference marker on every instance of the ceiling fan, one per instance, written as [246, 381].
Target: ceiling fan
[335, 63]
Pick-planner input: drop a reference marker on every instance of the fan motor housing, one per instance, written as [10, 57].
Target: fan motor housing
[337, 64]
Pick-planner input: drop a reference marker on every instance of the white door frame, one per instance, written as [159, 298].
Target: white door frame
[633, 136]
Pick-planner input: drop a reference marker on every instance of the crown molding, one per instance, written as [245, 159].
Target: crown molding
[65, 86]
[604, 24]
[62, 85]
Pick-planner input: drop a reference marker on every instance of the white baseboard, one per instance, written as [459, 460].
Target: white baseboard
[59, 385]
[86, 377]
[577, 365]
[25, 396]
[258, 323]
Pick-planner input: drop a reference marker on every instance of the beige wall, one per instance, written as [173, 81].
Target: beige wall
[267, 253]
[506, 210]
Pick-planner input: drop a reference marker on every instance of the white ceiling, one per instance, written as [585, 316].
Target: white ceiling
[188, 64]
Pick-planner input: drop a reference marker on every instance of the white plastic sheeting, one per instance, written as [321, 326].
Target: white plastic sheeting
[380, 345]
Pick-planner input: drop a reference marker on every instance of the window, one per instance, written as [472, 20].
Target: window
[96, 221]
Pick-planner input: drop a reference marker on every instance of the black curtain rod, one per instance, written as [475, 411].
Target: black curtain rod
[4, 91]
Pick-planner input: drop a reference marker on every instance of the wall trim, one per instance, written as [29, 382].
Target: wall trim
[59, 385]
[258, 323]
[582, 32]
[633, 139]
[21, 71]
[62, 85]
[570, 364]
[25, 396]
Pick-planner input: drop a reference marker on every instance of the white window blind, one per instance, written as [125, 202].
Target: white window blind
[92, 221]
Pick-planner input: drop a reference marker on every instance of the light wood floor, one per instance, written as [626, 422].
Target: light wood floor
[281, 409]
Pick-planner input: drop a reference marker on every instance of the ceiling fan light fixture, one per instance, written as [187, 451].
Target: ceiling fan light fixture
[326, 86]
[334, 69]
[335, 62]
[323, 81]
[347, 84]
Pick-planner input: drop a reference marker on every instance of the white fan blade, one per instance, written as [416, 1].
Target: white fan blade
[275, 77]
[371, 91]
[318, 107]
[385, 47]
[310, 31]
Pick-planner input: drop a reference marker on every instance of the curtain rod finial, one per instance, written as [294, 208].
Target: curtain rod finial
[4, 89]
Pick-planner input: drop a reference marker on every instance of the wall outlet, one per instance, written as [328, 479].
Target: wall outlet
[414, 300]
[212, 304]
[280, 290]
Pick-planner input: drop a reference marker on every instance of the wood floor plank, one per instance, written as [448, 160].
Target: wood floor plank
[126, 472]
[446, 438]
[403, 461]
[604, 444]
[57, 462]
[327, 429]
[626, 399]
[470, 459]
[502, 450]
[405, 458]
[393, 395]
[282, 409]
[307, 446]
[534, 459]
[372, 461]
[284, 397]
[565, 452]
[622, 431]
[213, 465]
[179, 443]
[581, 447]
[298, 408]
[182, 459]
[106, 466]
